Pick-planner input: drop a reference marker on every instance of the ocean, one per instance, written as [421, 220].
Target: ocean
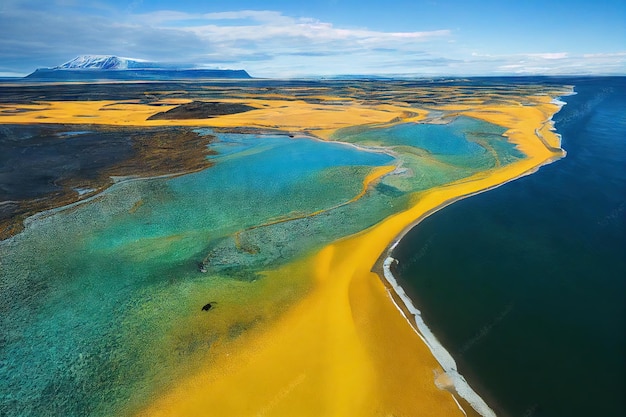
[525, 284]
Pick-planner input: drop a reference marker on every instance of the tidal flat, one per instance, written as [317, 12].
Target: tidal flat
[273, 208]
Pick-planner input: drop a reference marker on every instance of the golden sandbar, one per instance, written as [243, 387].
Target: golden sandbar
[345, 349]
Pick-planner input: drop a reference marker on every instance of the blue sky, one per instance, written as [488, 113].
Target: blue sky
[278, 38]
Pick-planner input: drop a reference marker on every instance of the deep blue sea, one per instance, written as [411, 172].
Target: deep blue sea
[525, 285]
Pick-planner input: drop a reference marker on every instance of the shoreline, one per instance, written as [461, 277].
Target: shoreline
[342, 348]
[95, 193]
[412, 314]
[345, 334]
[457, 384]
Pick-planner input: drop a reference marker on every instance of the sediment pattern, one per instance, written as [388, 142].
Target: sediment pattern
[244, 286]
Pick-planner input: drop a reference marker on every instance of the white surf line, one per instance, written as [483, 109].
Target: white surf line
[441, 355]
[439, 352]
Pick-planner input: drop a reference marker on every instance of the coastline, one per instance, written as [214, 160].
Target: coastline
[345, 341]
[343, 349]
[456, 383]
[485, 312]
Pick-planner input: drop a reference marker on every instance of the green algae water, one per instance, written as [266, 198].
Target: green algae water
[101, 301]
[525, 284]
[435, 154]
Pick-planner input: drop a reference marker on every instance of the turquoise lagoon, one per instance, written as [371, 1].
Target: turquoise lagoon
[101, 301]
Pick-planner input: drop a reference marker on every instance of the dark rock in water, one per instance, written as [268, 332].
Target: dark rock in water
[208, 306]
[201, 110]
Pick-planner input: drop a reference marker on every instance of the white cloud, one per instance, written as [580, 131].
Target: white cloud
[550, 55]
[562, 63]
[260, 39]
[264, 42]
[605, 55]
[270, 24]
[257, 15]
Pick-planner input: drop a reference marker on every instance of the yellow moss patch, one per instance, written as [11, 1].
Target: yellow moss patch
[287, 115]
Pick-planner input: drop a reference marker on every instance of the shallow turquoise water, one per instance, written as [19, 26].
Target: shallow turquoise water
[448, 139]
[70, 279]
[434, 154]
[96, 299]
[525, 285]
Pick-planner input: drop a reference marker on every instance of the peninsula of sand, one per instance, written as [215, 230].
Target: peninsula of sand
[303, 329]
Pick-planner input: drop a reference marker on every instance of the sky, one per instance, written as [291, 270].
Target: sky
[299, 38]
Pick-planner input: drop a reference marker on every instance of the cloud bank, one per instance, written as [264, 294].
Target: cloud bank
[264, 42]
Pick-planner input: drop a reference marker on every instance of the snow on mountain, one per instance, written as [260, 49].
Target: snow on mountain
[100, 62]
[110, 67]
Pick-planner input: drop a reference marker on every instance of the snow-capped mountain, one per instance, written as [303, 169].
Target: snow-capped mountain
[110, 67]
[102, 62]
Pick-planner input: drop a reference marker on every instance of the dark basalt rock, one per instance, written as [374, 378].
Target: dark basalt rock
[201, 110]
[208, 306]
[45, 166]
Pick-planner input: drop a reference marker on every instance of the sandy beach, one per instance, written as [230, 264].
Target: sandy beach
[346, 348]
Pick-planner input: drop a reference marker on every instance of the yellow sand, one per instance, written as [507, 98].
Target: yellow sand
[376, 174]
[343, 351]
[287, 115]
[346, 350]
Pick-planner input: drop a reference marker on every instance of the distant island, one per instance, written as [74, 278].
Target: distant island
[109, 67]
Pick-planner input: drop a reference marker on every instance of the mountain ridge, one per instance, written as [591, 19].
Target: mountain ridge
[95, 62]
[111, 67]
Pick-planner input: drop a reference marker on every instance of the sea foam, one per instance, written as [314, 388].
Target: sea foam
[439, 352]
